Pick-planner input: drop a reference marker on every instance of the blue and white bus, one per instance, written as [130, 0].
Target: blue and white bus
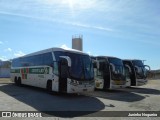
[136, 72]
[56, 69]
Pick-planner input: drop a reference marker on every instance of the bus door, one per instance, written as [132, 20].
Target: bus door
[63, 75]
[127, 74]
[132, 73]
[98, 74]
[103, 73]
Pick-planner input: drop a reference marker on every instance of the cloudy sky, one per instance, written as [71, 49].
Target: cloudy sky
[122, 28]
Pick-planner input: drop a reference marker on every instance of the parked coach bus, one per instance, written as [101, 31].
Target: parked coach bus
[56, 69]
[136, 72]
[109, 72]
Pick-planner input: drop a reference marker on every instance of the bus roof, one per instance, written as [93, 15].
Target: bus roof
[55, 49]
[131, 59]
[107, 57]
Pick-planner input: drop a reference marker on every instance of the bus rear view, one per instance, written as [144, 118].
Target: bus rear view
[136, 72]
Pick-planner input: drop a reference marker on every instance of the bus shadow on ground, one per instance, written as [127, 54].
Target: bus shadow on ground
[143, 90]
[118, 95]
[58, 105]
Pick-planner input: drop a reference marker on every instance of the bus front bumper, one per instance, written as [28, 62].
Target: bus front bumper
[140, 82]
[79, 88]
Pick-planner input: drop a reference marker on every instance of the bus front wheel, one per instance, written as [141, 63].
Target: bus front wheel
[19, 81]
[16, 81]
[49, 86]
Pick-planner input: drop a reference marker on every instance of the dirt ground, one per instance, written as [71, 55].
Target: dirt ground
[5, 80]
[143, 98]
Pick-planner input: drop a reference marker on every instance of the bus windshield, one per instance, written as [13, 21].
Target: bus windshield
[119, 69]
[81, 65]
[115, 61]
[138, 63]
[141, 73]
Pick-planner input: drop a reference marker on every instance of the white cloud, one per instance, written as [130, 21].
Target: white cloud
[89, 52]
[19, 54]
[3, 58]
[90, 26]
[8, 50]
[19, 15]
[72, 4]
[58, 21]
[1, 42]
[64, 46]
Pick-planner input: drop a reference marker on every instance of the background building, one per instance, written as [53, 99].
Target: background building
[5, 69]
[77, 42]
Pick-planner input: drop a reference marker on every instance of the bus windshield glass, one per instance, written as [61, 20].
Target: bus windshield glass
[119, 73]
[141, 71]
[115, 61]
[138, 63]
[81, 65]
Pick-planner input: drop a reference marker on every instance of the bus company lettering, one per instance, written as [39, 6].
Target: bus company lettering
[15, 70]
[39, 70]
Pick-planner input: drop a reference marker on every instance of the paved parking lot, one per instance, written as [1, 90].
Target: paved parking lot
[144, 98]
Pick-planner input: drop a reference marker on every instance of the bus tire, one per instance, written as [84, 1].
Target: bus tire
[19, 81]
[15, 81]
[49, 86]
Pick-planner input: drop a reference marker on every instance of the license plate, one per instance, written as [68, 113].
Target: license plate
[86, 83]
[84, 89]
[118, 82]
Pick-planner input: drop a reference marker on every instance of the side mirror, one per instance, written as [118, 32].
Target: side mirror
[129, 68]
[113, 67]
[149, 68]
[137, 69]
[65, 60]
[94, 63]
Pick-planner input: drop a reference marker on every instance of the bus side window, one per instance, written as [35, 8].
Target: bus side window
[55, 68]
[127, 72]
[47, 59]
[100, 70]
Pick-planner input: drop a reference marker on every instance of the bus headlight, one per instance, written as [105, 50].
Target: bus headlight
[78, 82]
[72, 81]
